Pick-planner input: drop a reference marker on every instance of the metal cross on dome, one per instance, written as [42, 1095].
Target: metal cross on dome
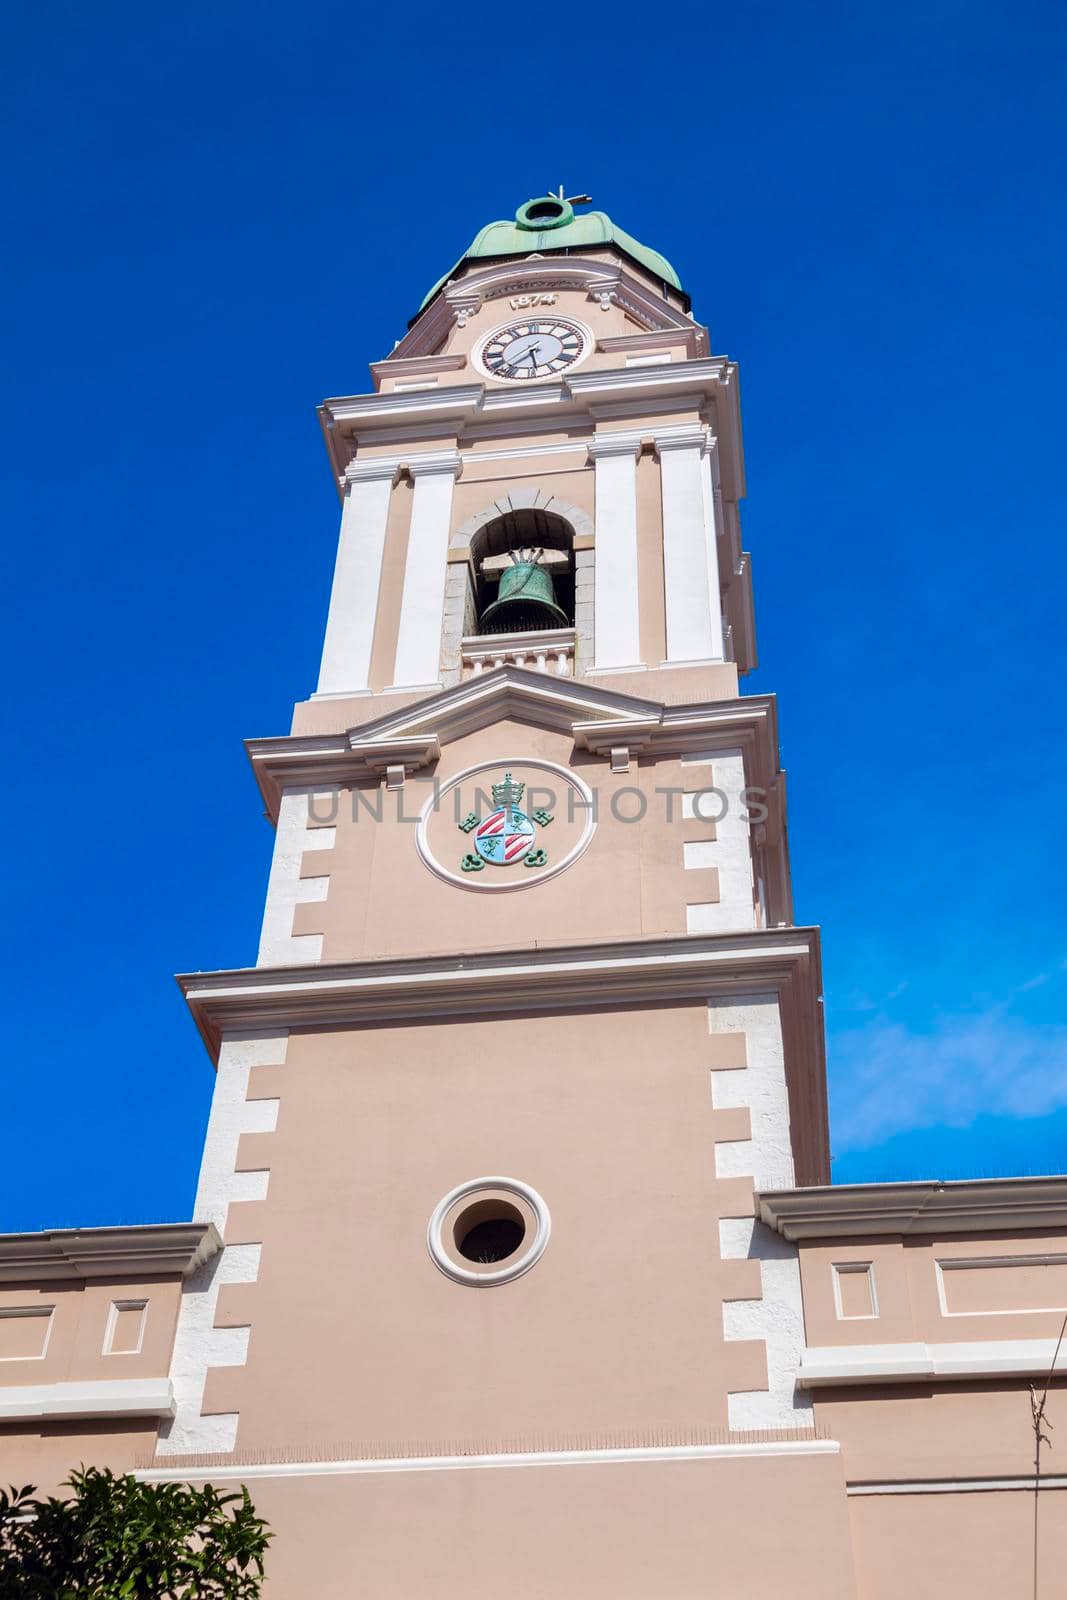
[574, 199]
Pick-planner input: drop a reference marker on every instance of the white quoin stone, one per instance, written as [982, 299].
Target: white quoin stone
[690, 573]
[616, 624]
[418, 645]
[356, 578]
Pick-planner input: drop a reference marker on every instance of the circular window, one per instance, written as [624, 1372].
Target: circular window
[488, 1231]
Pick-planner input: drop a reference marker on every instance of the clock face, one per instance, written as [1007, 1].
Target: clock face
[532, 349]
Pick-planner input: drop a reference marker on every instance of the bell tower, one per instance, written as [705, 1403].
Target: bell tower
[531, 1021]
[562, 321]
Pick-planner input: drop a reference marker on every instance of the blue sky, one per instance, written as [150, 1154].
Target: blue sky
[218, 214]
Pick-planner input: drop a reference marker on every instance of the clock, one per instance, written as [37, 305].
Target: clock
[524, 350]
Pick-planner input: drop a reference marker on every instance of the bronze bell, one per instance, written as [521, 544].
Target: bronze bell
[526, 600]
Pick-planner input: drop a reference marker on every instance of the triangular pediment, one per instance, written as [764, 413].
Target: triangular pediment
[604, 280]
[601, 720]
[513, 694]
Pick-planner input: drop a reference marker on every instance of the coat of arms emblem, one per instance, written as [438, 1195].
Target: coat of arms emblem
[506, 836]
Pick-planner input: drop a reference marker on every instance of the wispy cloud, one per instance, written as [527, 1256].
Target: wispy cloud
[887, 1078]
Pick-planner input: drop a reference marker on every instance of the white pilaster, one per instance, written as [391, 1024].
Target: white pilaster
[616, 626]
[418, 645]
[709, 464]
[356, 577]
[694, 620]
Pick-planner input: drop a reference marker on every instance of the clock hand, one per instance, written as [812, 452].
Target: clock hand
[529, 354]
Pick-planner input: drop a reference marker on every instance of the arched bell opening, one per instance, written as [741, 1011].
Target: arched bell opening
[523, 564]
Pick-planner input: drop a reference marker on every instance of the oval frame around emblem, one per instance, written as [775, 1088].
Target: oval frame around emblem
[496, 882]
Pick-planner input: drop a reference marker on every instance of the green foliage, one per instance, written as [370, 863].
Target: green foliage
[118, 1539]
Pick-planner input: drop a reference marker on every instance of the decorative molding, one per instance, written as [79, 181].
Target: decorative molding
[864, 1210]
[999, 1264]
[412, 366]
[614, 444]
[704, 378]
[623, 1456]
[522, 497]
[649, 407]
[116, 1307]
[371, 469]
[537, 274]
[682, 437]
[596, 716]
[845, 1269]
[693, 339]
[354, 423]
[368, 469]
[411, 754]
[548, 650]
[528, 452]
[171, 1248]
[37, 1313]
[426, 461]
[825, 1365]
[108, 1397]
[512, 1268]
[957, 1485]
[454, 400]
[516, 881]
[601, 738]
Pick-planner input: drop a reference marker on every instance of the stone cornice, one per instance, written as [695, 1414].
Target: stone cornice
[862, 1210]
[415, 366]
[692, 338]
[170, 1248]
[353, 422]
[706, 376]
[549, 977]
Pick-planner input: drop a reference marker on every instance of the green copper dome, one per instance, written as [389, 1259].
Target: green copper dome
[549, 222]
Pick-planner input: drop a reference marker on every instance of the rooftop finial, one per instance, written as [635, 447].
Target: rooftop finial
[573, 199]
